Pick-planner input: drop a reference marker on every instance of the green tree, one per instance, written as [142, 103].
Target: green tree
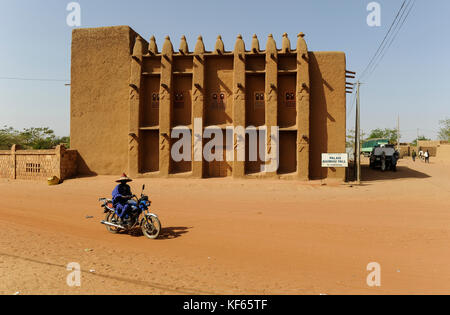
[8, 137]
[31, 138]
[444, 131]
[421, 138]
[350, 142]
[390, 134]
[38, 138]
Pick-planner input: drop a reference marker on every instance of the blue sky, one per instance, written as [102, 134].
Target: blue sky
[411, 81]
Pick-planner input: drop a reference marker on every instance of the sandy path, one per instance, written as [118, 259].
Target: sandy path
[224, 236]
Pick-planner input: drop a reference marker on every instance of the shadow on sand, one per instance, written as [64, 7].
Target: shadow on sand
[173, 232]
[370, 175]
[167, 233]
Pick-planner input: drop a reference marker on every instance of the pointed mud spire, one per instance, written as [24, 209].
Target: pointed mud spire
[167, 47]
[271, 47]
[184, 46]
[138, 48]
[302, 48]
[255, 44]
[239, 47]
[286, 44]
[199, 46]
[219, 48]
[152, 47]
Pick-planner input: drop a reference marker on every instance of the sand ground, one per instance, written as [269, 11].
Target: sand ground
[224, 236]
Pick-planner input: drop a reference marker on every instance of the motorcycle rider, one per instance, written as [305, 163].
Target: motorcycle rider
[121, 197]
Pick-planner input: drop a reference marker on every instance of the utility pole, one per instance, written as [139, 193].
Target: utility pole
[398, 133]
[357, 136]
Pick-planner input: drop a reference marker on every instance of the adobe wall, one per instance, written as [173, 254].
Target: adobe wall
[328, 111]
[38, 164]
[100, 75]
[6, 164]
[443, 152]
[432, 146]
[68, 163]
[405, 150]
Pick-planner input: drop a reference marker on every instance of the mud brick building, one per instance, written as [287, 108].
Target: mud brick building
[127, 96]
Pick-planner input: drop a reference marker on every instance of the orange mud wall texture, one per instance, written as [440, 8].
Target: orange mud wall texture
[101, 96]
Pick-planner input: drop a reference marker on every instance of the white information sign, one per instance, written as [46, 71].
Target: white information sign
[334, 159]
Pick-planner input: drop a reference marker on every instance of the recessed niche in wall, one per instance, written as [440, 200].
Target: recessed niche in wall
[149, 151]
[255, 63]
[287, 107]
[288, 152]
[182, 101]
[220, 168]
[253, 151]
[255, 105]
[180, 166]
[152, 65]
[150, 104]
[218, 91]
[182, 64]
[287, 62]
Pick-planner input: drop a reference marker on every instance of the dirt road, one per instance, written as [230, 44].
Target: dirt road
[224, 236]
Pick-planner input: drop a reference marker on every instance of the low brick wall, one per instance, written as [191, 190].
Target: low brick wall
[38, 164]
[431, 146]
[404, 150]
[443, 152]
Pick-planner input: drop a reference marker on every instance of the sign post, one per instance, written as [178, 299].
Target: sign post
[334, 159]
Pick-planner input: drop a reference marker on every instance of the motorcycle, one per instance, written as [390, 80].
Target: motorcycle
[139, 215]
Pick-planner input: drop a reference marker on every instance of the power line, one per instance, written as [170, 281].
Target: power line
[396, 32]
[382, 44]
[33, 79]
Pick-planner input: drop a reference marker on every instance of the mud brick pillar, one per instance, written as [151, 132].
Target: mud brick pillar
[13, 162]
[59, 151]
[134, 106]
[271, 92]
[198, 107]
[303, 108]
[165, 107]
[239, 103]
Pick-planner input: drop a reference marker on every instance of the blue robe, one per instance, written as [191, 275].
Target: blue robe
[119, 201]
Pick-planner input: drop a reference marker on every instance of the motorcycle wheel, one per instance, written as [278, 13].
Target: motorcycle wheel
[151, 227]
[112, 218]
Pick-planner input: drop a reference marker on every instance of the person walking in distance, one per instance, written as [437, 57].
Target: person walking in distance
[427, 157]
[413, 155]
